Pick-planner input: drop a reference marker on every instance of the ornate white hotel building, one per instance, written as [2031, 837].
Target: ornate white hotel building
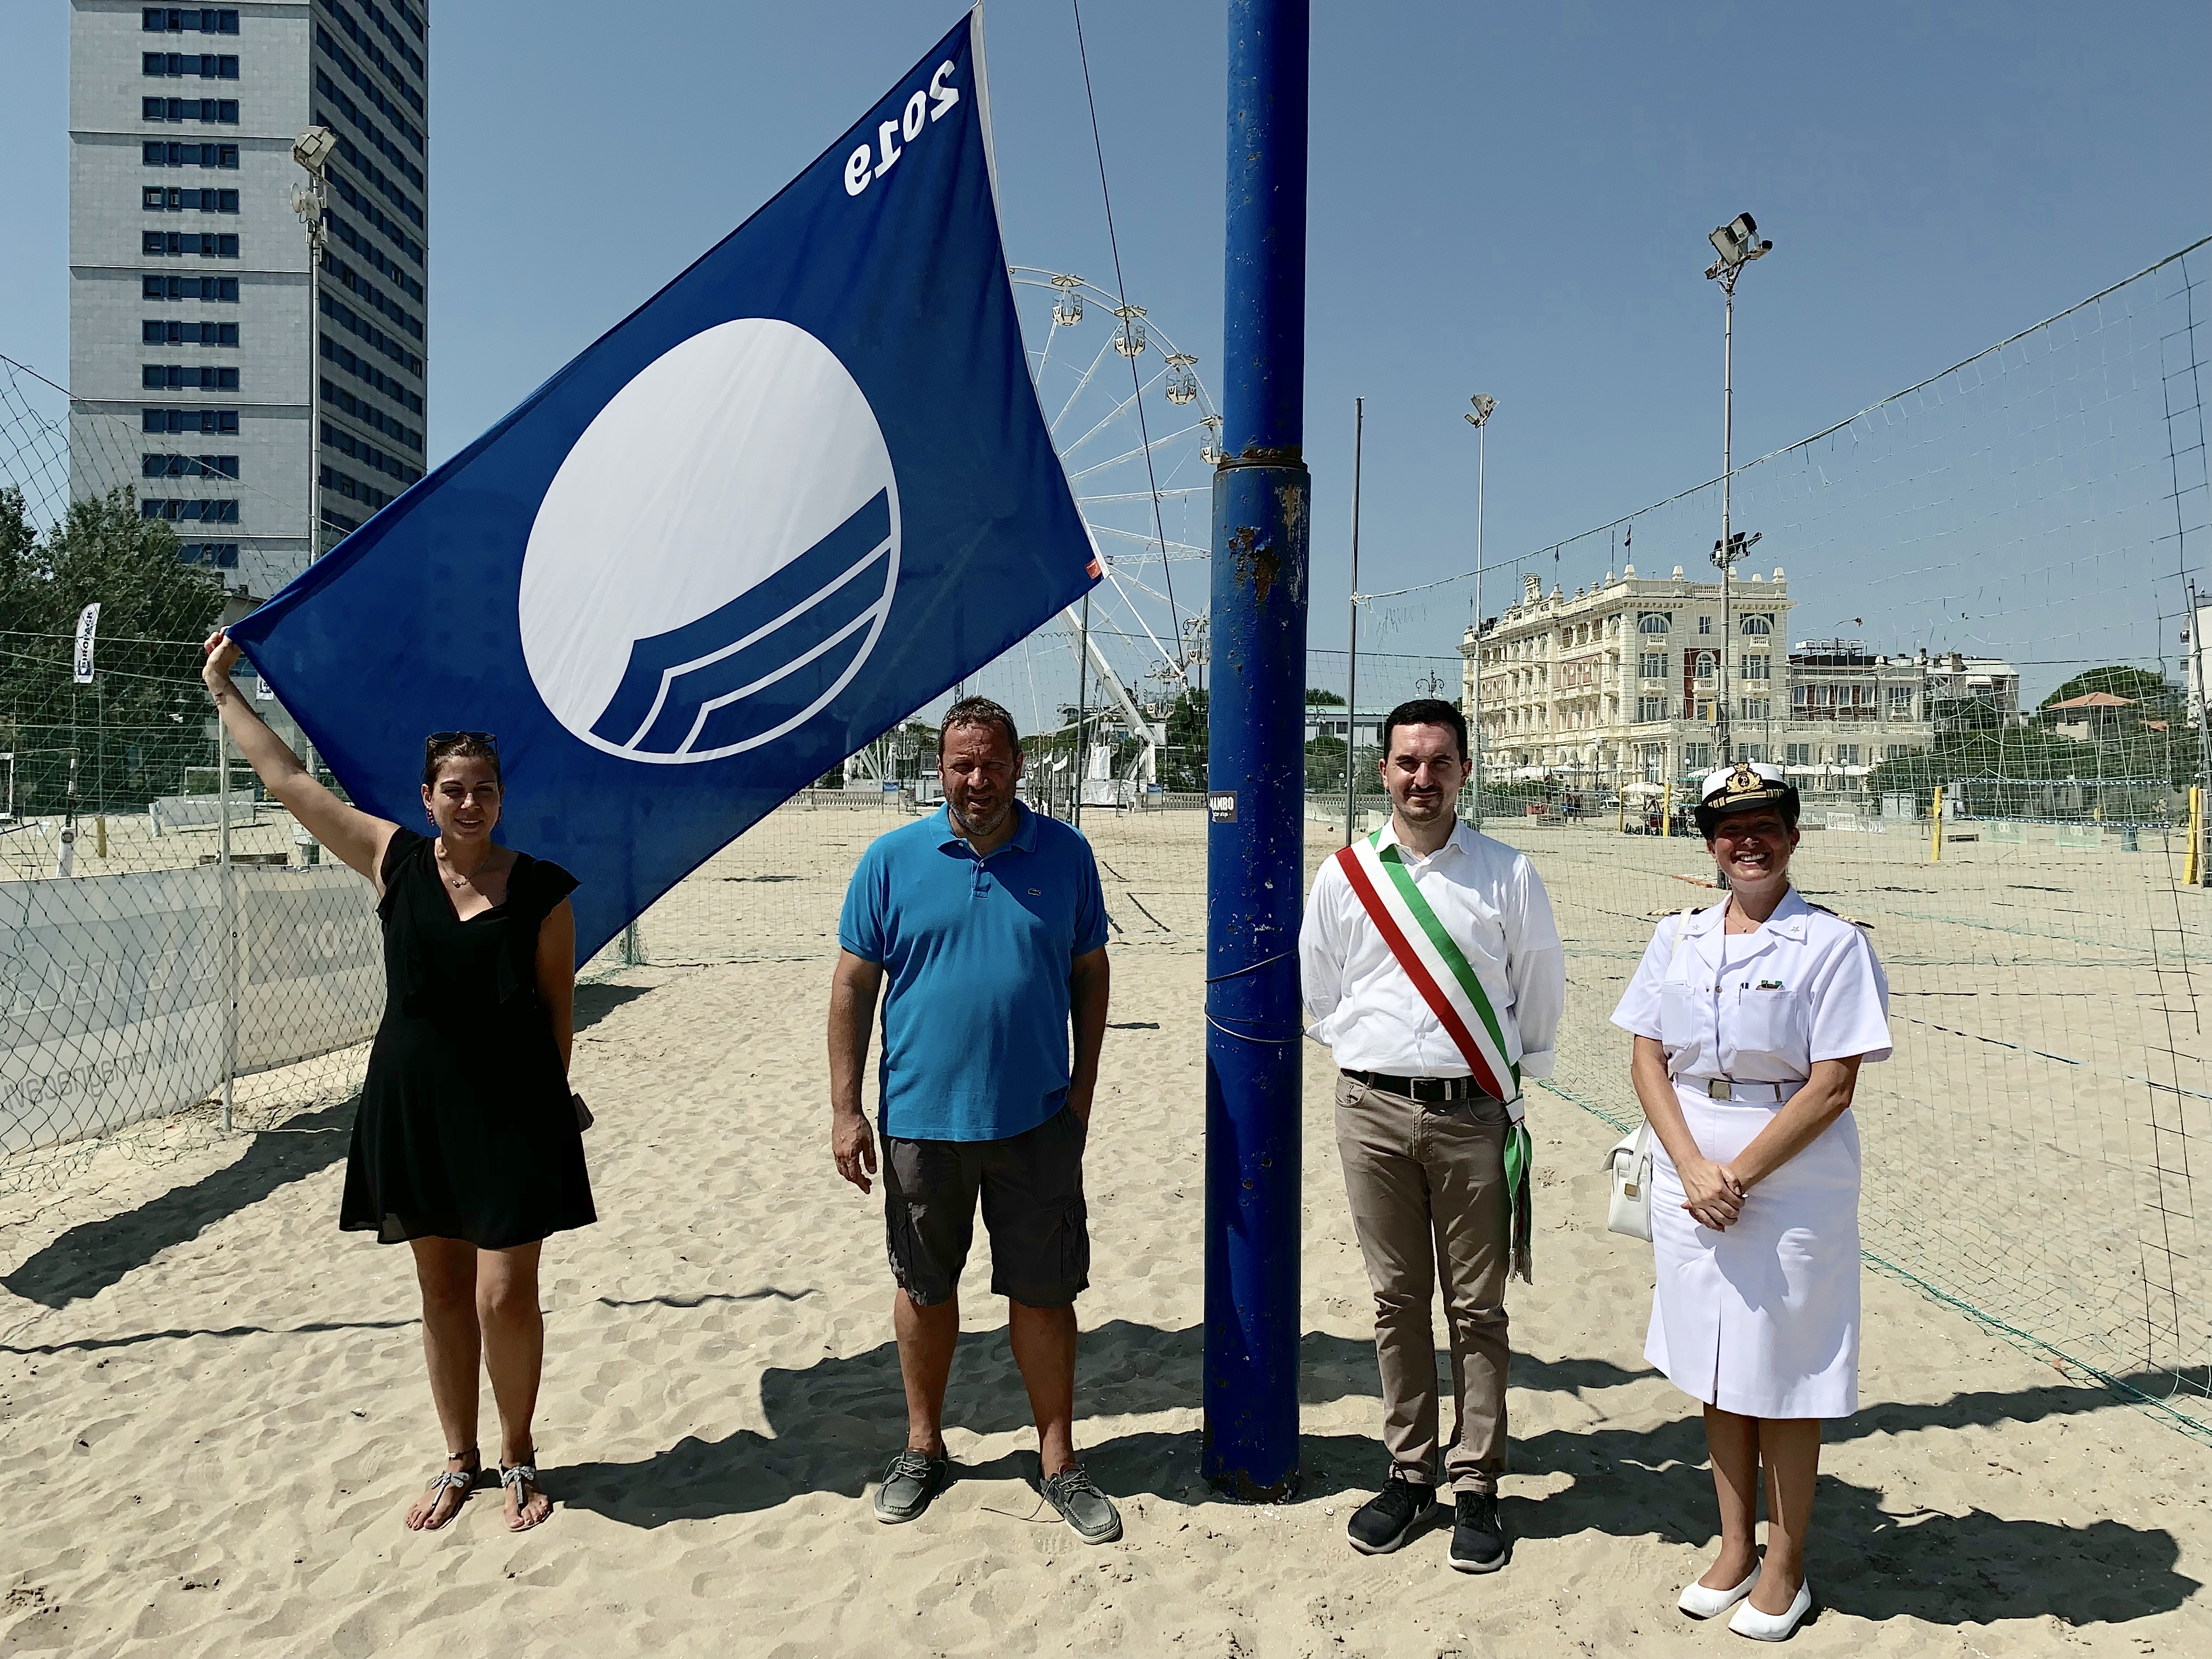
[1619, 682]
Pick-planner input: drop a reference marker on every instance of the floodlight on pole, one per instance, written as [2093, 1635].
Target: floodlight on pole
[1485, 407]
[312, 149]
[1738, 243]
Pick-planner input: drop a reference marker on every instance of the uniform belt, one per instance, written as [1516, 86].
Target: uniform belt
[1430, 1091]
[1722, 1088]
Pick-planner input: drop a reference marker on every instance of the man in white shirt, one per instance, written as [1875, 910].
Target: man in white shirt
[1433, 969]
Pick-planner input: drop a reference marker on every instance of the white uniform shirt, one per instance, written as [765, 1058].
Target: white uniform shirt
[1759, 1008]
[1490, 901]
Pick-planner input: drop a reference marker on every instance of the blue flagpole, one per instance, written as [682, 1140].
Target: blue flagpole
[1255, 772]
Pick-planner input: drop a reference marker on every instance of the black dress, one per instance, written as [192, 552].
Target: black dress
[465, 1129]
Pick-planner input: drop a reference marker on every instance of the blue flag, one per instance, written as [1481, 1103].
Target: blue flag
[799, 493]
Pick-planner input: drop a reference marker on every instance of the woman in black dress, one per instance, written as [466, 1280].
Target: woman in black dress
[467, 1144]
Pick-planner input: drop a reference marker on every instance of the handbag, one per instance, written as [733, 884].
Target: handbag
[1628, 1165]
[1628, 1190]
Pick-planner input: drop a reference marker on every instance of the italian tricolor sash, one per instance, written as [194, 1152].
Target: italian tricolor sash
[1447, 982]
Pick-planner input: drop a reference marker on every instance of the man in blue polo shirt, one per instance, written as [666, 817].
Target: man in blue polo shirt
[988, 922]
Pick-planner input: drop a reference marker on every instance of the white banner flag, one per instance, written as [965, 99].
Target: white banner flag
[87, 625]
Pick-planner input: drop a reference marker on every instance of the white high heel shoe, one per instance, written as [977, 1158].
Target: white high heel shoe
[1700, 1602]
[1773, 1626]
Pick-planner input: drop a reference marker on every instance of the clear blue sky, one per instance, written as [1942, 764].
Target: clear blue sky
[1512, 199]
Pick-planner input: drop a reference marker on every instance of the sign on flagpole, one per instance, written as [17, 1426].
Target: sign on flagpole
[799, 493]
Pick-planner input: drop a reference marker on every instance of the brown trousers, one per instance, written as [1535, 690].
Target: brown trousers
[1427, 1185]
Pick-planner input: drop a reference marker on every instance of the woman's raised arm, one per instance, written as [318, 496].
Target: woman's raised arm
[358, 838]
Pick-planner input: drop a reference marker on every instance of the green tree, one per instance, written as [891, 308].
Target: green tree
[130, 734]
[1316, 697]
[1182, 764]
[2137, 685]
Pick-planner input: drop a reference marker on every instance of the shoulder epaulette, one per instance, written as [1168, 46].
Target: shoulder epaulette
[1838, 915]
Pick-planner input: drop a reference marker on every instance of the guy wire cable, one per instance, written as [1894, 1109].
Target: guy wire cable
[1136, 385]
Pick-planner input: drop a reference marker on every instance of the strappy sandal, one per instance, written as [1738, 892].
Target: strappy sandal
[462, 1482]
[523, 1477]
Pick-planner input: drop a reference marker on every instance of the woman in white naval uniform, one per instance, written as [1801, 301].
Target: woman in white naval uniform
[1751, 1019]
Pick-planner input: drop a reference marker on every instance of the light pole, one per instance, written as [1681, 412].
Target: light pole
[1737, 243]
[1485, 407]
[312, 150]
[1352, 674]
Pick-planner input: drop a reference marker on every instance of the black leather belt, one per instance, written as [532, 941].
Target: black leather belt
[1430, 1091]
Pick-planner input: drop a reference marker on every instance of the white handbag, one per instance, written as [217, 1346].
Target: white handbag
[1628, 1165]
[1628, 1195]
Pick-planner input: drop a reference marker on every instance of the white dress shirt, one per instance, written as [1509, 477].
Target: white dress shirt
[1761, 1006]
[1490, 901]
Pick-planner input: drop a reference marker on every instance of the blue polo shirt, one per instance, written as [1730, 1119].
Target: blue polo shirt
[976, 953]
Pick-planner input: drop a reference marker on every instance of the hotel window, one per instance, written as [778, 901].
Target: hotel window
[157, 332]
[190, 467]
[1759, 668]
[1653, 622]
[1696, 757]
[189, 420]
[1757, 624]
[208, 65]
[156, 198]
[1652, 665]
[1847, 754]
[205, 245]
[223, 556]
[1704, 624]
[193, 512]
[174, 377]
[1705, 666]
[1900, 703]
[177, 20]
[1650, 708]
[223, 111]
[156, 154]
[1897, 751]
[190, 288]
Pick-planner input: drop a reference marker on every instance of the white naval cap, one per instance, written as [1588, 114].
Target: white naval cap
[1746, 783]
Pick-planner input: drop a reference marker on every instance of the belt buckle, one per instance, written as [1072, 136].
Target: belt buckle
[1719, 1088]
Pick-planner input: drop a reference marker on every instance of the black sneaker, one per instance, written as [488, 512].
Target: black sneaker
[1389, 1520]
[910, 1480]
[1478, 1536]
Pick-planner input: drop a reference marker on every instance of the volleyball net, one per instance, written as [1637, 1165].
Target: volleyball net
[1965, 622]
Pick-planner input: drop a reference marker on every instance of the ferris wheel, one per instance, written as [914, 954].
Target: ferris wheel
[1139, 450]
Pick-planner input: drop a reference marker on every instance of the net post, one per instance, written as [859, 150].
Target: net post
[1935, 828]
[227, 881]
[1667, 808]
[2193, 864]
[630, 957]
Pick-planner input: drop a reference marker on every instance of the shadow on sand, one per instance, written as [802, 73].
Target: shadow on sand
[94, 1254]
[833, 1427]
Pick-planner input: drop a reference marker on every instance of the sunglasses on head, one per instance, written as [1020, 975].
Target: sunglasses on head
[439, 739]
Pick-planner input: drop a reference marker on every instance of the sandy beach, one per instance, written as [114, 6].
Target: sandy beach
[213, 1414]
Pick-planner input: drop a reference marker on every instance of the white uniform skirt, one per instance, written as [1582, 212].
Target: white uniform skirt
[1762, 1320]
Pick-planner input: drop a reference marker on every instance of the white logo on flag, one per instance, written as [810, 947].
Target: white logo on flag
[715, 557]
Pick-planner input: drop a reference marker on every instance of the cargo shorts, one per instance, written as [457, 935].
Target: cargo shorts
[1031, 1187]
